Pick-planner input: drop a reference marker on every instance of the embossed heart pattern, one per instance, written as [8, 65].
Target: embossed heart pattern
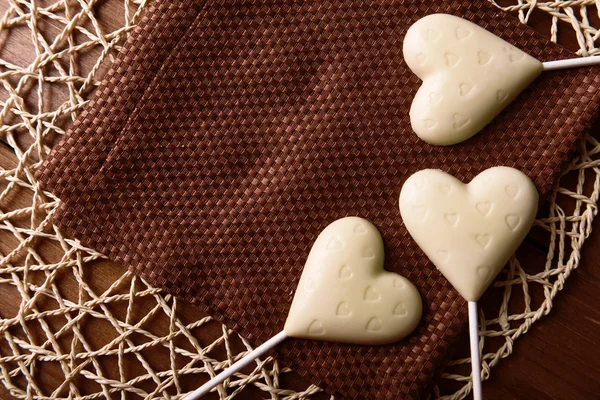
[345, 295]
[469, 76]
[469, 231]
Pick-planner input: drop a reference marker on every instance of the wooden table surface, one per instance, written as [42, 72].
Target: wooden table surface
[559, 358]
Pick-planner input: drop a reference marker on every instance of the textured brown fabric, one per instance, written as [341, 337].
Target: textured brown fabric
[227, 135]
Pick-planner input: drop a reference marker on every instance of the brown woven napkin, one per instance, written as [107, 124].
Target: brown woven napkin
[228, 134]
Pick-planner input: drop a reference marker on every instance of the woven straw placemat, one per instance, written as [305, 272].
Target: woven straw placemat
[170, 380]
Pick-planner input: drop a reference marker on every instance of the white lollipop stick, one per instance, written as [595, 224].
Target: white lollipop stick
[571, 63]
[236, 367]
[475, 359]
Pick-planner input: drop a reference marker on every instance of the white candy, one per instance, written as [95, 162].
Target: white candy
[345, 295]
[469, 231]
[469, 76]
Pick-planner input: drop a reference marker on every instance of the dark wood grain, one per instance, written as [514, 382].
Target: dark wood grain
[558, 358]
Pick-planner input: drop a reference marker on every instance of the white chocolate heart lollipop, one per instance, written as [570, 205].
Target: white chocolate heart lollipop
[469, 231]
[469, 76]
[344, 295]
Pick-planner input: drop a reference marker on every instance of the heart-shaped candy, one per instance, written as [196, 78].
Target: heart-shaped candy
[469, 75]
[469, 231]
[345, 295]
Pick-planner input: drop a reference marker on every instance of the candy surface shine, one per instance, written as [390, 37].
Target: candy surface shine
[469, 231]
[345, 295]
[469, 76]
